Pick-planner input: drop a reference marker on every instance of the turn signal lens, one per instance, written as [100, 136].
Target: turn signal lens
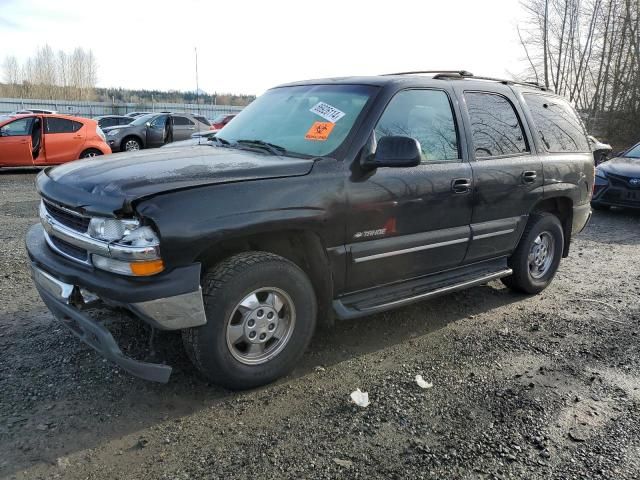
[137, 269]
[146, 268]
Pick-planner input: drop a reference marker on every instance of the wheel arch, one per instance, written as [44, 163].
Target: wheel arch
[561, 207]
[302, 247]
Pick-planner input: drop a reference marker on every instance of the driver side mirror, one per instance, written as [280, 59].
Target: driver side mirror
[395, 151]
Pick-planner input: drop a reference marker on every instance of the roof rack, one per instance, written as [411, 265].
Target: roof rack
[462, 74]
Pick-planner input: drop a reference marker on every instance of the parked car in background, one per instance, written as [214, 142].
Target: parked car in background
[137, 114]
[198, 138]
[105, 121]
[221, 120]
[42, 139]
[601, 151]
[153, 130]
[34, 110]
[202, 119]
[618, 181]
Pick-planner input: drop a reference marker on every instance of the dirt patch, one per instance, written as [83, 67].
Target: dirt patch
[523, 387]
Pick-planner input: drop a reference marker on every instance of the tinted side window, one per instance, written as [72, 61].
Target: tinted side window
[425, 115]
[17, 128]
[557, 123]
[495, 127]
[125, 121]
[107, 122]
[182, 121]
[61, 125]
[159, 121]
[202, 119]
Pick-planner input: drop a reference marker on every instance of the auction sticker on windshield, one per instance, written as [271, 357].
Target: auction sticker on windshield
[319, 131]
[328, 112]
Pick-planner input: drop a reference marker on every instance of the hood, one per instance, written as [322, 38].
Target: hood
[110, 183]
[623, 166]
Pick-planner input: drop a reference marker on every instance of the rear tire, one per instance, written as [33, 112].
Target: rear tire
[90, 153]
[537, 256]
[261, 314]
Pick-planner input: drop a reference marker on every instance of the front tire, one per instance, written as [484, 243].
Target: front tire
[131, 144]
[261, 314]
[537, 256]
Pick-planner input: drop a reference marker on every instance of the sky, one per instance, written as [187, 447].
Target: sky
[248, 46]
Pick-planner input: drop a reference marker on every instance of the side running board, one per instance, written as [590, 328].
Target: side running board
[387, 298]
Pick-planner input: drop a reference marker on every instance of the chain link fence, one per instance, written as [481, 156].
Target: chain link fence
[94, 109]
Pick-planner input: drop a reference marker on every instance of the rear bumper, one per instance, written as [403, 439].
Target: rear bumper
[581, 217]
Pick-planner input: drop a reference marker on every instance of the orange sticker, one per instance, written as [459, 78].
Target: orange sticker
[319, 131]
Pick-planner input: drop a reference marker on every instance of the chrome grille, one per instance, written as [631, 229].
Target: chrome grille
[67, 217]
[70, 250]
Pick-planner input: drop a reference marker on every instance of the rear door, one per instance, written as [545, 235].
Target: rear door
[408, 222]
[507, 174]
[15, 143]
[183, 127]
[63, 140]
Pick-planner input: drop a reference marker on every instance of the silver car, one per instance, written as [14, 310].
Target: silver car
[154, 130]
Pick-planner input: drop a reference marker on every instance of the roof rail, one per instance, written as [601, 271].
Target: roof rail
[493, 79]
[461, 73]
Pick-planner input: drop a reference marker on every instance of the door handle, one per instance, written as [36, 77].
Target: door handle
[461, 185]
[529, 176]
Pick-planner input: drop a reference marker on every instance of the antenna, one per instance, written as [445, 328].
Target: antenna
[197, 91]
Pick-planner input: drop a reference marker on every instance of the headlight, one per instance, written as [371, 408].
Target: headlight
[122, 234]
[113, 133]
[111, 229]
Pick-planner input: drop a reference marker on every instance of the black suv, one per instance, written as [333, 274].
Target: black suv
[322, 199]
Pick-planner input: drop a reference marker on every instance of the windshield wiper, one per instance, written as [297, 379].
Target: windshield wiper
[270, 147]
[218, 140]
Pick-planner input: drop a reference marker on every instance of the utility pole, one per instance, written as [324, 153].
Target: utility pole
[197, 83]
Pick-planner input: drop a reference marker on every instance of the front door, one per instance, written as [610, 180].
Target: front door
[157, 131]
[507, 174]
[15, 143]
[407, 222]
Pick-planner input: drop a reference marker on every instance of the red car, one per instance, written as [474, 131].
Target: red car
[40, 140]
[221, 120]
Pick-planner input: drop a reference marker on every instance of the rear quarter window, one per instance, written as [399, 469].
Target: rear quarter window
[557, 124]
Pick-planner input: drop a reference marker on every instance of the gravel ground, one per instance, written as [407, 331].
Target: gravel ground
[523, 387]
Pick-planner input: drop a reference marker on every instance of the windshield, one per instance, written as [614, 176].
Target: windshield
[634, 152]
[141, 120]
[309, 120]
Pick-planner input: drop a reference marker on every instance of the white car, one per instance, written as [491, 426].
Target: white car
[27, 111]
[601, 151]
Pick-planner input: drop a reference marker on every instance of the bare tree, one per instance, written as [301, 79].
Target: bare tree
[51, 75]
[588, 51]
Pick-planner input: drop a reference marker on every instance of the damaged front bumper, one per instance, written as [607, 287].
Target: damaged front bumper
[168, 301]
